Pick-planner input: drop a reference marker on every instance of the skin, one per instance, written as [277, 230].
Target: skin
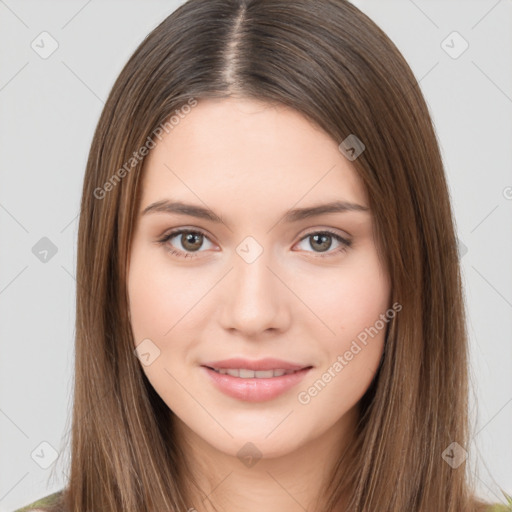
[250, 162]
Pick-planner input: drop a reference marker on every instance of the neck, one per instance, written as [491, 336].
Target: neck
[293, 481]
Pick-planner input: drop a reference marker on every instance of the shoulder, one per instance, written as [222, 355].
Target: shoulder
[43, 502]
[500, 508]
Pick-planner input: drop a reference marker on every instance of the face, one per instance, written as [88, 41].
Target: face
[249, 271]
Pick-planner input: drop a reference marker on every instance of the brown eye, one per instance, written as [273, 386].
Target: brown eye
[321, 242]
[186, 243]
[191, 241]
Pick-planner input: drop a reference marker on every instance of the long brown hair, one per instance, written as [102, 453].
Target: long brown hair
[330, 62]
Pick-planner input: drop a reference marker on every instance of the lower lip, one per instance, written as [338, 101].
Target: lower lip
[255, 390]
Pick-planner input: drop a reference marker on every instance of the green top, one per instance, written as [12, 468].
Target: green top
[43, 502]
[52, 498]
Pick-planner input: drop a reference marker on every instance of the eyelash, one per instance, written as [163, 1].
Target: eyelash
[345, 244]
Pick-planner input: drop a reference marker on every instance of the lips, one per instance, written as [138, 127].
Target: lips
[255, 365]
[244, 373]
[249, 381]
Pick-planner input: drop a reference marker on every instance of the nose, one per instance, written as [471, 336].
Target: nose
[255, 299]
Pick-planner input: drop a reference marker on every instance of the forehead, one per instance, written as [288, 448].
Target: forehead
[249, 153]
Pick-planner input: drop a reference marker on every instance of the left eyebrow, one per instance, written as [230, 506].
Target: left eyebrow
[294, 215]
[333, 207]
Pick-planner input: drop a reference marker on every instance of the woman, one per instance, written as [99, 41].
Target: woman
[269, 304]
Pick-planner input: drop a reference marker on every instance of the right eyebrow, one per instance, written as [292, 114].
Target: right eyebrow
[166, 206]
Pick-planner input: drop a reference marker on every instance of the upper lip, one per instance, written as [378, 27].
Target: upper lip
[260, 364]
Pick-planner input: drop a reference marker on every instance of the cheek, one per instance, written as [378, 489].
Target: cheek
[351, 356]
[150, 306]
[352, 302]
[350, 298]
[162, 311]
[159, 299]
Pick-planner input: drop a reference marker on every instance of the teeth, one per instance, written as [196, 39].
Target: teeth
[251, 374]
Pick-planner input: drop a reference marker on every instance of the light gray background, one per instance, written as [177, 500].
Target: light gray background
[49, 109]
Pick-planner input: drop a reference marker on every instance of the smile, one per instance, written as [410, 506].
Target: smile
[243, 373]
